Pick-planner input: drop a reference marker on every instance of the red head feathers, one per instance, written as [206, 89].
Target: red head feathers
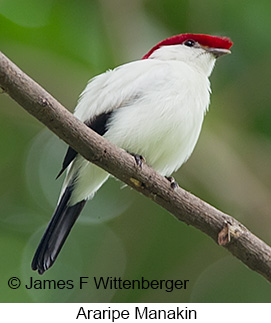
[204, 40]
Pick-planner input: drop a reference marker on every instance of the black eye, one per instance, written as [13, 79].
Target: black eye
[189, 43]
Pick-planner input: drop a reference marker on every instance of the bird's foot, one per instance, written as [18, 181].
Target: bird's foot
[173, 184]
[139, 159]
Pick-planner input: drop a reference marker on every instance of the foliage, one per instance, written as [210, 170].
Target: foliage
[61, 44]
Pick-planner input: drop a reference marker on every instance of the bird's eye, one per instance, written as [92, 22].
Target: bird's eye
[190, 43]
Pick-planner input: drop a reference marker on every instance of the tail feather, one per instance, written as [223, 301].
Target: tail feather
[57, 231]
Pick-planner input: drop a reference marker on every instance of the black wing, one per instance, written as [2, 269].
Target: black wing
[56, 233]
[65, 215]
[99, 125]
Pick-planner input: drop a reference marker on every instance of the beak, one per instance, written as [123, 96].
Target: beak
[217, 52]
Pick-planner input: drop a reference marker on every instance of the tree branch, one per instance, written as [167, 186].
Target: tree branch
[222, 228]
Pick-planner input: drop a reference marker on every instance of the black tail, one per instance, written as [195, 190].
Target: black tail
[56, 233]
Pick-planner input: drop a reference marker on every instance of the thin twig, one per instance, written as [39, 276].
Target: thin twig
[186, 207]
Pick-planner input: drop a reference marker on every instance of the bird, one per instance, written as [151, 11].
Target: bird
[152, 107]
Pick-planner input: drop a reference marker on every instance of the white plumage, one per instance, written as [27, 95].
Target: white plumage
[155, 108]
[159, 107]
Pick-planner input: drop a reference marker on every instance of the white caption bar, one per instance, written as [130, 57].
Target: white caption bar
[134, 312]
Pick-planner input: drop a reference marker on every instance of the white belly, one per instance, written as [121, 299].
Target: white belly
[160, 119]
[165, 137]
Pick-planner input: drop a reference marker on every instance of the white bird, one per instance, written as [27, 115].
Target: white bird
[153, 107]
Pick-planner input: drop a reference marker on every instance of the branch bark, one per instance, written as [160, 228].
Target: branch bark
[221, 227]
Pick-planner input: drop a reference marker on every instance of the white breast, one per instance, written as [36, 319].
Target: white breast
[158, 109]
[164, 122]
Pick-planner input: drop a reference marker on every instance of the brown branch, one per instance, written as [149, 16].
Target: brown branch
[184, 206]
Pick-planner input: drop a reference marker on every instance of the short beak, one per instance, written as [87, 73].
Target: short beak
[217, 52]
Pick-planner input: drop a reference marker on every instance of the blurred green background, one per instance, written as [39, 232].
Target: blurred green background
[62, 44]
